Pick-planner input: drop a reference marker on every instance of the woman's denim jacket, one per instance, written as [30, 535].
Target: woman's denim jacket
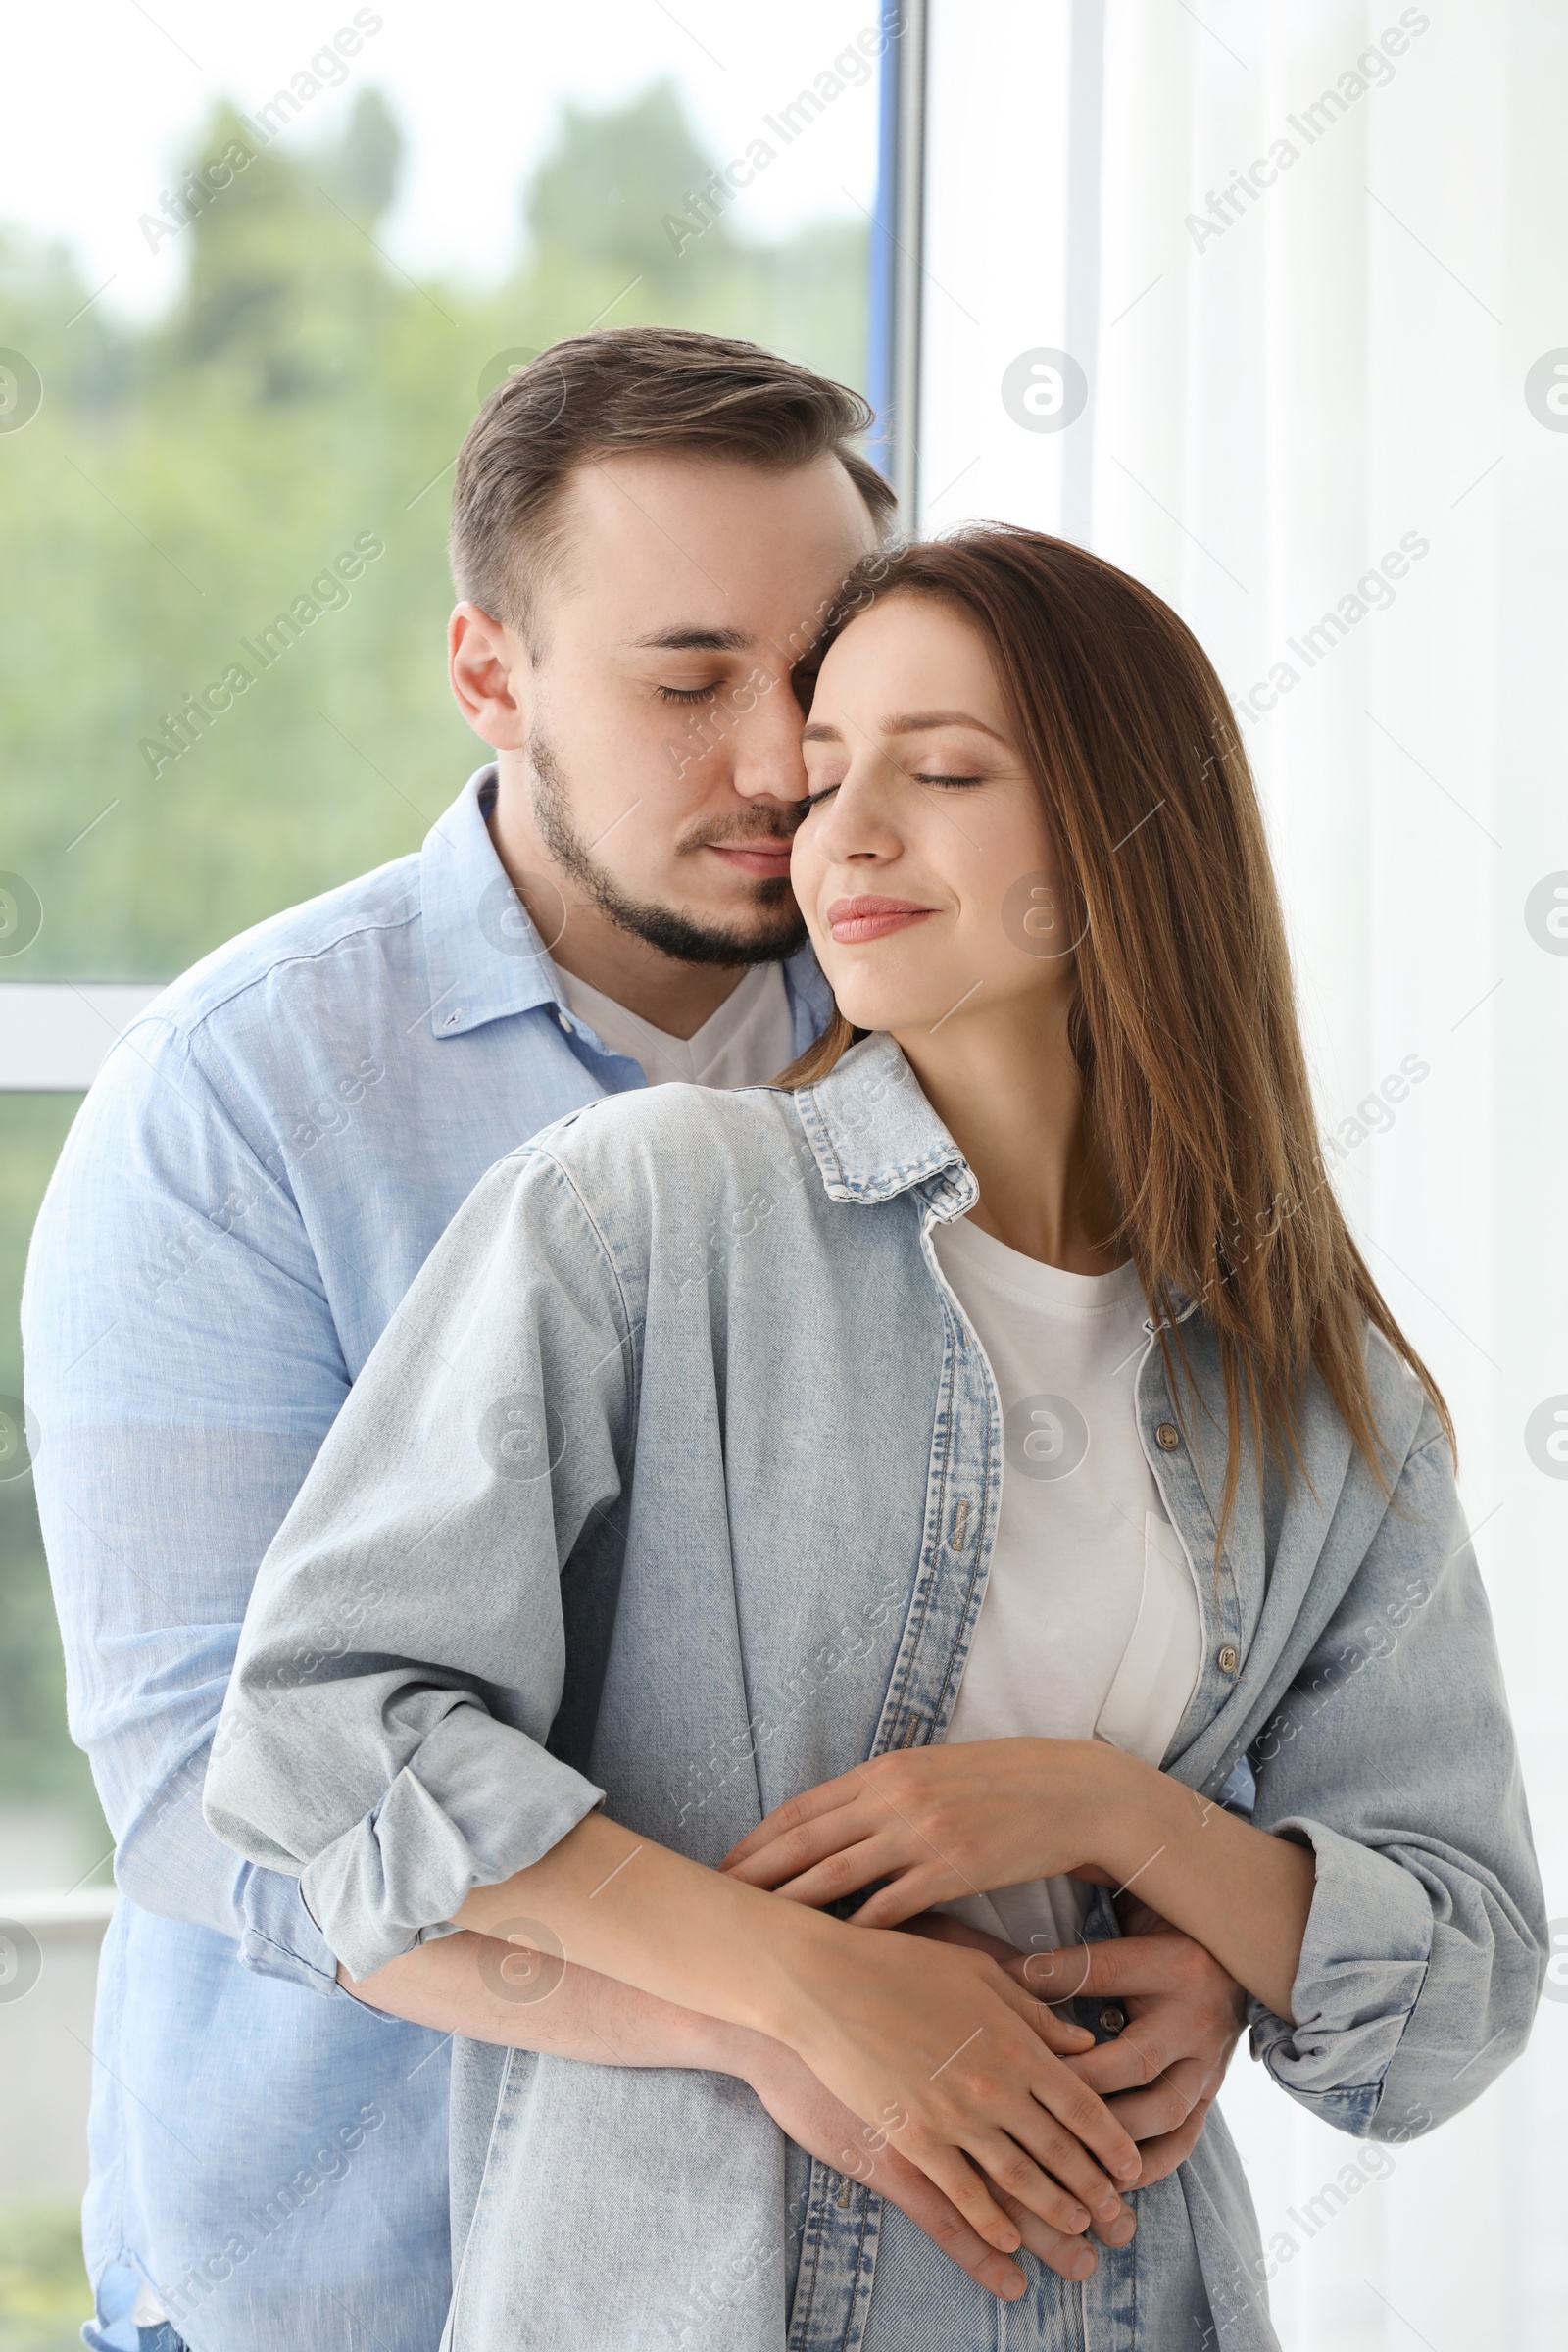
[673, 1485]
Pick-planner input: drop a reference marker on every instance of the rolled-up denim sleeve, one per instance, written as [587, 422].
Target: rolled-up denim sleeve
[1350, 2006]
[1393, 1758]
[182, 1367]
[404, 1657]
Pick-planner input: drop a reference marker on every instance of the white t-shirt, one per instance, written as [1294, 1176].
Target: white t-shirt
[747, 1041]
[1091, 1623]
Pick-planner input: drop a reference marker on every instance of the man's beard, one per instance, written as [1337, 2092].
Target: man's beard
[673, 931]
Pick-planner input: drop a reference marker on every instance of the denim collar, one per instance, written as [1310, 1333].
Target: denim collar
[484, 959]
[875, 1135]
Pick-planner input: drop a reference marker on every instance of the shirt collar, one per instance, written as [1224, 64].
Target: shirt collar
[874, 1133]
[803, 978]
[482, 954]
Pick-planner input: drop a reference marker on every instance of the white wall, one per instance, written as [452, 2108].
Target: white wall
[1271, 407]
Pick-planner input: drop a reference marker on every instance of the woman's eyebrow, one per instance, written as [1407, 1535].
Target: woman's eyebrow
[915, 723]
[904, 722]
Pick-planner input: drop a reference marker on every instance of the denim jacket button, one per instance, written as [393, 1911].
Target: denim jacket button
[1228, 1660]
[1167, 1436]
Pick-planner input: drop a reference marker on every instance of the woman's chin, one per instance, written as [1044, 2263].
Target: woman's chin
[899, 1018]
[898, 1001]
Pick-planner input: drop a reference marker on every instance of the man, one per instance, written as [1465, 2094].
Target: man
[647, 526]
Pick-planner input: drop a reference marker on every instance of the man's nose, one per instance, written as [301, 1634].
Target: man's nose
[766, 760]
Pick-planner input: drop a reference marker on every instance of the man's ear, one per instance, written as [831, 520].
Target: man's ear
[492, 677]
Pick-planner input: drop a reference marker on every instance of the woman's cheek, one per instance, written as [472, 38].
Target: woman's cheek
[806, 877]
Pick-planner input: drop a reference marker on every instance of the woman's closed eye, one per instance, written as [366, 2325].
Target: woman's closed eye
[952, 782]
[686, 694]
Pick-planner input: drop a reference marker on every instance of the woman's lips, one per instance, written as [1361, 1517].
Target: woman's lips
[852, 919]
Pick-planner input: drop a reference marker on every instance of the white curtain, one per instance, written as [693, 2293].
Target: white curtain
[1268, 304]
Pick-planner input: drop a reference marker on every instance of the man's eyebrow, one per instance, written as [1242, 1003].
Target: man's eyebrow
[820, 732]
[696, 640]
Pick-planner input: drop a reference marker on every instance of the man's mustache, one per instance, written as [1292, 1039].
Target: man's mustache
[778, 822]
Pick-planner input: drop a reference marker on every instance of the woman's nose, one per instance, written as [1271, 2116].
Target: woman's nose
[858, 823]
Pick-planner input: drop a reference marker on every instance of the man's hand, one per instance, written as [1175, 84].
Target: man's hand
[1183, 2016]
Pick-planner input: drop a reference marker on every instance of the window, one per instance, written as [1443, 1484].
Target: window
[255, 275]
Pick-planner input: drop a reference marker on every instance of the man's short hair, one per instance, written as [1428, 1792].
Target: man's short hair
[625, 388]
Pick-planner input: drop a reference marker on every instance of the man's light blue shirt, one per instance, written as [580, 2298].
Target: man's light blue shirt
[260, 1170]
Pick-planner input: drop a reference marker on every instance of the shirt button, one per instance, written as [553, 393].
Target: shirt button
[1112, 2018]
[1228, 1660]
[1167, 1436]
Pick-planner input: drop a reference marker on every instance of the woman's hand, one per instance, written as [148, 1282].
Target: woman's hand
[935, 1822]
[476, 1986]
[938, 2049]
[938, 1823]
[827, 2129]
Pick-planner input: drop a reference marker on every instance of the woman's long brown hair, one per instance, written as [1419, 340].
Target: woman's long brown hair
[1195, 1080]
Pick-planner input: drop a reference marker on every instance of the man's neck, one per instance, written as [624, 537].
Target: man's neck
[674, 997]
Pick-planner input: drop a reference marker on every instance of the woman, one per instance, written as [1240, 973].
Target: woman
[981, 1467]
